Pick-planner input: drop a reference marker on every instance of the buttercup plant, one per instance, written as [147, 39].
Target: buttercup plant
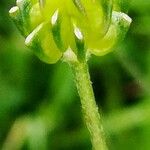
[72, 30]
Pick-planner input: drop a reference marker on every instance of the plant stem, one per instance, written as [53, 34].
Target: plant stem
[89, 107]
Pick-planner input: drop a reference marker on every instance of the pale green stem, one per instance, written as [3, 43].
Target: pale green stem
[89, 107]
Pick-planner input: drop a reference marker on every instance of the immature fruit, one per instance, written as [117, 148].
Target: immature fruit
[53, 26]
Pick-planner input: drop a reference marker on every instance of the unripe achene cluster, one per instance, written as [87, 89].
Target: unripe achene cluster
[51, 27]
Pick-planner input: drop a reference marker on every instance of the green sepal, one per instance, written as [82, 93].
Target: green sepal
[15, 14]
[35, 16]
[107, 6]
[24, 8]
[80, 44]
[122, 23]
[26, 16]
[56, 27]
[42, 44]
[119, 26]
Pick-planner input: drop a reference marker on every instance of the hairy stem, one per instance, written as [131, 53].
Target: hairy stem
[89, 108]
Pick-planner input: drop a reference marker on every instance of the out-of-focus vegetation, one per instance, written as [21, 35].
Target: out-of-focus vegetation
[39, 106]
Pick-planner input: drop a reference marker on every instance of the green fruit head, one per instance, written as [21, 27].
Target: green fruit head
[51, 27]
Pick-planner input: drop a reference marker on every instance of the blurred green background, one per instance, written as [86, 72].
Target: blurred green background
[39, 105]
